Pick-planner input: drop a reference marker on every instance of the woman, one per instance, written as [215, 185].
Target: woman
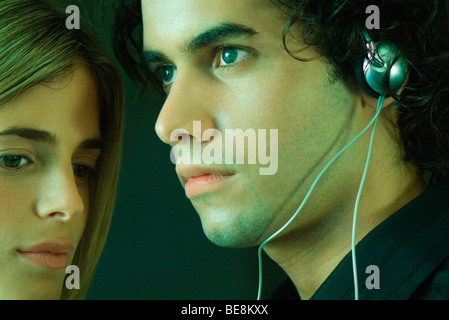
[60, 142]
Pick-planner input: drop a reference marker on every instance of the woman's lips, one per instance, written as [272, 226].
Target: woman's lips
[206, 183]
[52, 255]
[53, 261]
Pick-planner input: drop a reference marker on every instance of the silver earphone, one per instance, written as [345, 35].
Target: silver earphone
[380, 67]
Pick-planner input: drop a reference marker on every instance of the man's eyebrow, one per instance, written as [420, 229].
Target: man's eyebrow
[150, 57]
[213, 35]
[225, 30]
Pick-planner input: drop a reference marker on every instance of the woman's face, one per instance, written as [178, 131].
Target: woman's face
[49, 145]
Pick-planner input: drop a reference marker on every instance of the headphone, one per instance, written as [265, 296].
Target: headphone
[380, 67]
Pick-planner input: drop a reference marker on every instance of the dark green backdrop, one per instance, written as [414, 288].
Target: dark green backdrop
[156, 248]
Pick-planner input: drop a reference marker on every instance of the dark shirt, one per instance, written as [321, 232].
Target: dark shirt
[410, 249]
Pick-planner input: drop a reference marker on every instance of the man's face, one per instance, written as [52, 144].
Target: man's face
[224, 64]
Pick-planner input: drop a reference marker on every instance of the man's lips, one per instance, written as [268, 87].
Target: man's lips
[200, 180]
[50, 254]
[185, 173]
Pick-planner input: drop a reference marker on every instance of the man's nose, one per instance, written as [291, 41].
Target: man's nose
[186, 103]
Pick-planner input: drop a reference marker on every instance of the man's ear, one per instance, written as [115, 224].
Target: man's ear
[371, 102]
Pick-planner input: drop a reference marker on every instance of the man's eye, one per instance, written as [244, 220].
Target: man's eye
[167, 74]
[231, 55]
[13, 162]
[82, 172]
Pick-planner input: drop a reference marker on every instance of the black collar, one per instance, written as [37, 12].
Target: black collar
[406, 248]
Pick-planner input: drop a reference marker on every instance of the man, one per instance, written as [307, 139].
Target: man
[289, 66]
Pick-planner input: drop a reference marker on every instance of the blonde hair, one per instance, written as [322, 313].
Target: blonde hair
[36, 47]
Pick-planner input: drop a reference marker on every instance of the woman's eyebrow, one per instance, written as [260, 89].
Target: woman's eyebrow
[30, 134]
[91, 144]
[204, 39]
[46, 137]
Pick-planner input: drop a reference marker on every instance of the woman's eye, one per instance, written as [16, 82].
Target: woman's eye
[167, 74]
[231, 55]
[82, 172]
[13, 161]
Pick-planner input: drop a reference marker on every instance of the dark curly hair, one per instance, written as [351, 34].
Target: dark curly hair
[419, 28]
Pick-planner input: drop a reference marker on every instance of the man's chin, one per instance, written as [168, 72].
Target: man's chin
[233, 226]
[228, 236]
[226, 242]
